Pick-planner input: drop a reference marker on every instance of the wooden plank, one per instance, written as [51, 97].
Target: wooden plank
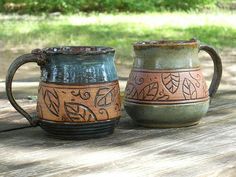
[208, 149]
[10, 118]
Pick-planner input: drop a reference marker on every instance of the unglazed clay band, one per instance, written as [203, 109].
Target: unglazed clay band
[166, 86]
[163, 102]
[81, 103]
[165, 70]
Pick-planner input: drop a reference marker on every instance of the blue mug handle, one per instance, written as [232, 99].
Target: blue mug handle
[35, 56]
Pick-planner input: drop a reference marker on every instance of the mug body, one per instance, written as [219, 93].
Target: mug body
[78, 96]
[166, 87]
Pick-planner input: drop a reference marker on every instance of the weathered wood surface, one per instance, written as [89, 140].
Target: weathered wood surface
[10, 119]
[208, 149]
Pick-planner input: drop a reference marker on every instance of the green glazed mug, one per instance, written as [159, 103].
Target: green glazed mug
[166, 87]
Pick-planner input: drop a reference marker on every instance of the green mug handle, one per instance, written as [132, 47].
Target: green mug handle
[217, 68]
[35, 56]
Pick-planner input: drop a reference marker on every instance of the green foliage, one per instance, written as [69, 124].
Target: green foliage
[38, 32]
[74, 6]
[37, 6]
[186, 4]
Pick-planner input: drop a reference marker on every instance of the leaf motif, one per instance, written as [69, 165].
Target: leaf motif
[131, 91]
[105, 96]
[39, 110]
[104, 112]
[136, 79]
[205, 89]
[171, 81]
[189, 89]
[149, 92]
[162, 95]
[51, 100]
[196, 79]
[118, 107]
[79, 112]
[82, 94]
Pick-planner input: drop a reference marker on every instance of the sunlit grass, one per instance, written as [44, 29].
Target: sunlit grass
[118, 31]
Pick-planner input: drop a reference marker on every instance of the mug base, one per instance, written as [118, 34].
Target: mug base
[79, 131]
[168, 125]
[166, 116]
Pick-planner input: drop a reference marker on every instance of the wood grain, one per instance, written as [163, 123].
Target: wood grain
[208, 149]
[10, 119]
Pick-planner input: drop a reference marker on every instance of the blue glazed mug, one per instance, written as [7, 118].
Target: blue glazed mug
[78, 95]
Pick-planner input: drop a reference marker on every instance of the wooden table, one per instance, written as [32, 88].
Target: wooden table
[208, 149]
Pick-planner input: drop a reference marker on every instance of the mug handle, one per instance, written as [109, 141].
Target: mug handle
[217, 68]
[35, 56]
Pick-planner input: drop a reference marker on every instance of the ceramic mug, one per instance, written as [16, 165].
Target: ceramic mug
[78, 95]
[166, 87]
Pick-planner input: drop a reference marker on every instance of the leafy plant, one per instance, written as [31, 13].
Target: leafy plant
[74, 6]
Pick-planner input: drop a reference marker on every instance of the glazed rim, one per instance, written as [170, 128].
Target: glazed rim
[165, 43]
[79, 50]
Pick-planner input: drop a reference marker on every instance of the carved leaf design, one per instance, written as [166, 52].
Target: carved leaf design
[104, 112]
[117, 107]
[105, 96]
[131, 91]
[39, 110]
[136, 79]
[171, 81]
[205, 89]
[162, 95]
[149, 92]
[51, 100]
[196, 79]
[189, 90]
[82, 94]
[79, 112]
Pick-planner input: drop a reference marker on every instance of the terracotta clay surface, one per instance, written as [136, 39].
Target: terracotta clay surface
[166, 86]
[79, 103]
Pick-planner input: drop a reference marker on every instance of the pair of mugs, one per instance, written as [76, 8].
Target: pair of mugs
[79, 95]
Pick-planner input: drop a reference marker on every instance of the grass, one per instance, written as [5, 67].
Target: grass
[118, 31]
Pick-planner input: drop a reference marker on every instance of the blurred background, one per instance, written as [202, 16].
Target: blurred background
[30, 24]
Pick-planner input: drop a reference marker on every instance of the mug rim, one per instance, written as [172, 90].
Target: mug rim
[78, 50]
[165, 43]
